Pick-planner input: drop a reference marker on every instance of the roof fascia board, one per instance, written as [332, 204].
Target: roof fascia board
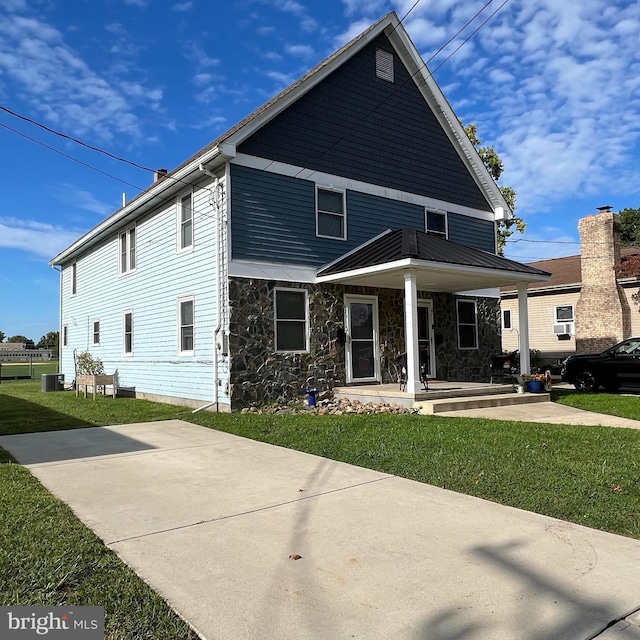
[281, 104]
[449, 122]
[142, 203]
[434, 266]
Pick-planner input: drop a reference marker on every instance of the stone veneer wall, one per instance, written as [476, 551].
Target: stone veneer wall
[602, 313]
[259, 375]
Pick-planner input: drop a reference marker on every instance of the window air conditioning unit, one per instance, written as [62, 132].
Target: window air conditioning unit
[565, 329]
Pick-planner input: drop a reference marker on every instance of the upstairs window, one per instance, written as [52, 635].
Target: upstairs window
[436, 223]
[128, 250]
[291, 320]
[564, 313]
[96, 332]
[330, 214]
[185, 320]
[384, 65]
[74, 279]
[185, 222]
[467, 324]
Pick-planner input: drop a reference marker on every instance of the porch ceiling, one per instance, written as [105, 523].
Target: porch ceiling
[440, 265]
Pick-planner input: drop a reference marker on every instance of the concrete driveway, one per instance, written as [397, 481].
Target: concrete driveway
[214, 522]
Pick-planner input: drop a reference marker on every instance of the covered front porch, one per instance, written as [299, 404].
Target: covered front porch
[424, 266]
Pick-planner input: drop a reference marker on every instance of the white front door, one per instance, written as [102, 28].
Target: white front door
[426, 346]
[361, 328]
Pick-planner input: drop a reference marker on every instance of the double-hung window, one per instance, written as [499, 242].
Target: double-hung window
[127, 332]
[185, 325]
[291, 320]
[127, 240]
[96, 332]
[467, 324]
[74, 278]
[185, 222]
[331, 219]
[65, 333]
[436, 222]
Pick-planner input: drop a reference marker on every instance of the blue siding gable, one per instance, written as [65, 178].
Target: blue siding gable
[273, 219]
[356, 125]
[472, 232]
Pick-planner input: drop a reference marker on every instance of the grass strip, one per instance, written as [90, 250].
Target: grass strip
[49, 558]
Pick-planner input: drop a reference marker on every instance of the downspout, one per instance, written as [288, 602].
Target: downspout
[216, 332]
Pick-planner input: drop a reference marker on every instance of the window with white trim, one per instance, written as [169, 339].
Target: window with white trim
[436, 222]
[185, 222]
[64, 335]
[185, 325]
[96, 332]
[564, 313]
[127, 332]
[127, 244]
[291, 320]
[467, 324]
[331, 216]
[74, 278]
[506, 319]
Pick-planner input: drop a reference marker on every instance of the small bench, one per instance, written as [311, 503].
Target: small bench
[101, 380]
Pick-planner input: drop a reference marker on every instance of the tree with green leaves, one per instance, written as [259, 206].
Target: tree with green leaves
[27, 341]
[2, 336]
[629, 227]
[492, 162]
[49, 341]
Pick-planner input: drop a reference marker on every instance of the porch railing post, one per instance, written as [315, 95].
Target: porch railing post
[411, 330]
[523, 318]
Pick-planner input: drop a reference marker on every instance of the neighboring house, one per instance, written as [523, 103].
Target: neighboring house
[341, 224]
[586, 305]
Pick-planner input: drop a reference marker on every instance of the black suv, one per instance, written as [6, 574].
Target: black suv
[614, 368]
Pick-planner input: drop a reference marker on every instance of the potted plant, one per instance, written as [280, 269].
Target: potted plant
[534, 382]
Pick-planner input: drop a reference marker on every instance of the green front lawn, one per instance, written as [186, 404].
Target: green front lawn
[588, 475]
[614, 404]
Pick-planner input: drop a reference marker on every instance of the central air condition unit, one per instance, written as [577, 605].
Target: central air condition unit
[563, 329]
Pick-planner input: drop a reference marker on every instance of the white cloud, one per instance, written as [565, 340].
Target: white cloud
[183, 7]
[44, 240]
[300, 50]
[70, 195]
[67, 93]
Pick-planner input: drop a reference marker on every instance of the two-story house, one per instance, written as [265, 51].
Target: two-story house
[346, 221]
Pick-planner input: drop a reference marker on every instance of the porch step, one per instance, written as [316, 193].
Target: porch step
[441, 405]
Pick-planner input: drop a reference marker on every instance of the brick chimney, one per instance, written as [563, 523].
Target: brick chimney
[602, 314]
[159, 174]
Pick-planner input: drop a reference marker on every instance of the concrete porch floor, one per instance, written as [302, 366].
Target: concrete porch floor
[442, 395]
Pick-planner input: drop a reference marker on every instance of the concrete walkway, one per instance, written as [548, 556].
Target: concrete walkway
[215, 523]
[549, 412]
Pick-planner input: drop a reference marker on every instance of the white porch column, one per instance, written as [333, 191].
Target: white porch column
[411, 330]
[523, 319]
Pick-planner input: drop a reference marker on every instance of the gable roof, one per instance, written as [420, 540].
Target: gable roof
[223, 148]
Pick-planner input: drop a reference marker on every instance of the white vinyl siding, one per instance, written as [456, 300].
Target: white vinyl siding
[467, 324]
[162, 277]
[331, 217]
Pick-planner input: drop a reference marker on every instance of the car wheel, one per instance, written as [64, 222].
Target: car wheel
[585, 381]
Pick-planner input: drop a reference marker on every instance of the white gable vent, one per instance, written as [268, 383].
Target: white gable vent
[384, 65]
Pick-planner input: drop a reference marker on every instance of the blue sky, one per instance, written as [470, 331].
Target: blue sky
[554, 86]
